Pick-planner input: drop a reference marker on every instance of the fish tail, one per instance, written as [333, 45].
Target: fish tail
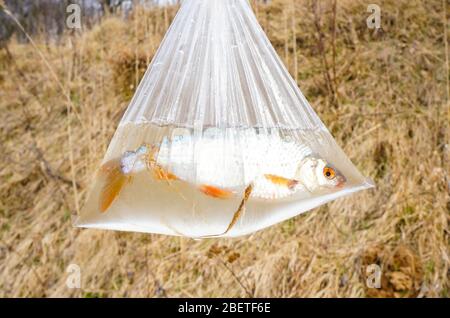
[114, 181]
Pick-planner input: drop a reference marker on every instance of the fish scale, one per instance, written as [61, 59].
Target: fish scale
[234, 161]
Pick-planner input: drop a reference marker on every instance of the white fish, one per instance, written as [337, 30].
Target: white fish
[260, 166]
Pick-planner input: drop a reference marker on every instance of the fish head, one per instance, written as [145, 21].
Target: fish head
[316, 174]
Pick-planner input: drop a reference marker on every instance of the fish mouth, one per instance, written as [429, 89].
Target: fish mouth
[341, 180]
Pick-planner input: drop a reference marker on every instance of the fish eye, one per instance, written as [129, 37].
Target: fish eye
[329, 173]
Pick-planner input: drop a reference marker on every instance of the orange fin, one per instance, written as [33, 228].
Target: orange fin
[215, 192]
[236, 214]
[113, 183]
[289, 183]
[162, 174]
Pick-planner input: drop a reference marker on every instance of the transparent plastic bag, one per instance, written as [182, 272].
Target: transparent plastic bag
[218, 139]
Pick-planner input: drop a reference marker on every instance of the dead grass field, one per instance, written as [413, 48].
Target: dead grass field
[384, 95]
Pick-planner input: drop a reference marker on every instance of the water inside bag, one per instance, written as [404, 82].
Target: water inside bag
[154, 204]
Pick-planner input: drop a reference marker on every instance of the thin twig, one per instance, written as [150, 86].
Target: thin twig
[444, 2]
[69, 106]
[294, 43]
[321, 48]
[333, 41]
[286, 39]
[160, 291]
[24, 78]
[249, 294]
[49, 171]
[447, 76]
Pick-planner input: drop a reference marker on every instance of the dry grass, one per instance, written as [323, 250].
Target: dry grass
[385, 99]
